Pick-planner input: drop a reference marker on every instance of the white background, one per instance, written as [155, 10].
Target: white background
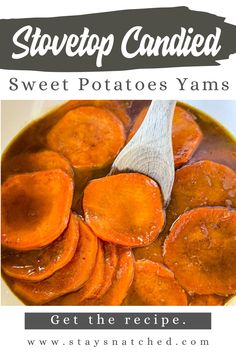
[222, 336]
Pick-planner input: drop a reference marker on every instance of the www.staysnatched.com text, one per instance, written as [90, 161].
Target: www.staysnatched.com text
[120, 343]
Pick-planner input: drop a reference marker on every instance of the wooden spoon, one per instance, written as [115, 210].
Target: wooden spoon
[150, 150]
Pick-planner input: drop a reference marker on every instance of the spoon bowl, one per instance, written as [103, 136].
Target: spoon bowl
[150, 150]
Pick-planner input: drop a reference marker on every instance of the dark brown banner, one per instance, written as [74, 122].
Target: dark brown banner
[117, 320]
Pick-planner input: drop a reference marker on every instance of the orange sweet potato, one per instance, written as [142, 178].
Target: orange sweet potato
[204, 183]
[111, 260]
[35, 208]
[125, 209]
[90, 288]
[154, 284]
[186, 136]
[40, 264]
[116, 107]
[89, 137]
[121, 282]
[67, 279]
[207, 300]
[201, 251]
[36, 161]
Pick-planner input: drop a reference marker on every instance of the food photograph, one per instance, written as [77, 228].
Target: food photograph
[120, 203]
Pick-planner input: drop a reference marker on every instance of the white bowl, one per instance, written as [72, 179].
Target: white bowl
[15, 115]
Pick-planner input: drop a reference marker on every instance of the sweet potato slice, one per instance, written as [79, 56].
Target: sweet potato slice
[154, 284]
[90, 288]
[204, 183]
[121, 282]
[201, 251]
[137, 123]
[35, 208]
[36, 161]
[186, 136]
[116, 107]
[207, 300]
[125, 209]
[67, 279]
[40, 264]
[89, 137]
[111, 260]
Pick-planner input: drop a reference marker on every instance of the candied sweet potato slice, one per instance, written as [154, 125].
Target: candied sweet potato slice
[125, 209]
[40, 264]
[115, 106]
[67, 279]
[90, 288]
[154, 284]
[204, 183]
[89, 137]
[111, 260]
[36, 161]
[207, 300]
[121, 282]
[201, 251]
[35, 208]
[186, 136]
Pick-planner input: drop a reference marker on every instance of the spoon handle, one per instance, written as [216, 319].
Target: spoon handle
[150, 150]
